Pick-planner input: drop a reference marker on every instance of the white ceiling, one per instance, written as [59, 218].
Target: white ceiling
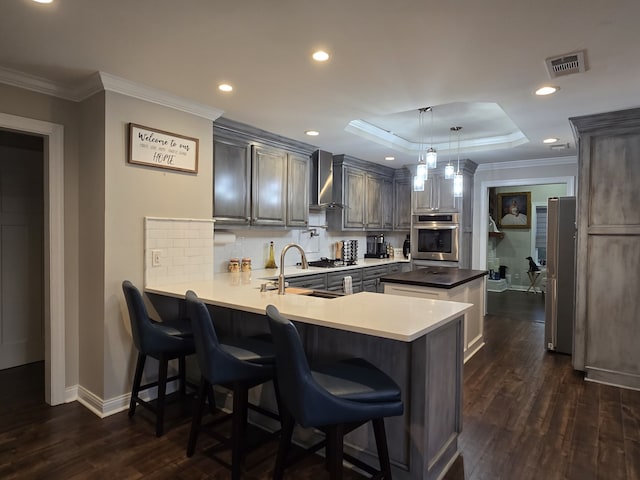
[389, 58]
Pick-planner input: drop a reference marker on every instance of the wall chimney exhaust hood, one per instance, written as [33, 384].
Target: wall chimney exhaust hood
[321, 186]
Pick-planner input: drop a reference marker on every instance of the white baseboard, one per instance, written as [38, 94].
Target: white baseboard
[104, 408]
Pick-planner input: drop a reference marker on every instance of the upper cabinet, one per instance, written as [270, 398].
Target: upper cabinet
[298, 190]
[260, 179]
[402, 185]
[232, 180]
[437, 195]
[365, 190]
[268, 186]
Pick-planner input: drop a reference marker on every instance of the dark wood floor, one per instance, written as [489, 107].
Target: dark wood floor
[527, 415]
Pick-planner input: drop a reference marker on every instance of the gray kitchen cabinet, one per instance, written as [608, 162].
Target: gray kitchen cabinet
[606, 327]
[297, 190]
[354, 198]
[335, 280]
[269, 186]
[402, 187]
[386, 201]
[314, 281]
[437, 195]
[373, 203]
[371, 278]
[232, 181]
[362, 188]
[260, 179]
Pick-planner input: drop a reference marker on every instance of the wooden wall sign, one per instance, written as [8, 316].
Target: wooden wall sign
[157, 148]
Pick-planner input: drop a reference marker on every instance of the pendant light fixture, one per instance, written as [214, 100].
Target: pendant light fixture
[458, 181]
[421, 169]
[432, 155]
[449, 169]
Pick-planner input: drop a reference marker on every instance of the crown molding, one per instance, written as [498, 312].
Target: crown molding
[99, 81]
[537, 162]
[36, 84]
[389, 139]
[142, 92]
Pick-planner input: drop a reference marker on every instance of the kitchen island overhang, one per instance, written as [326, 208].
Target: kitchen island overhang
[418, 342]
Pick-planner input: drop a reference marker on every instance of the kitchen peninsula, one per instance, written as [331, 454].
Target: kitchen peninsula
[419, 342]
[447, 283]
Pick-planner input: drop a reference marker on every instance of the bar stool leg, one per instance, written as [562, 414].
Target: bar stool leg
[335, 439]
[288, 423]
[163, 365]
[383, 450]
[238, 428]
[203, 393]
[137, 379]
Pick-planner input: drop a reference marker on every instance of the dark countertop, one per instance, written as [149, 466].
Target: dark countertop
[436, 277]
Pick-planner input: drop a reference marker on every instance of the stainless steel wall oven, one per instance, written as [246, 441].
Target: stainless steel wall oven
[435, 236]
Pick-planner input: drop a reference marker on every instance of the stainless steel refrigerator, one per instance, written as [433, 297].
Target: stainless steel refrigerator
[561, 274]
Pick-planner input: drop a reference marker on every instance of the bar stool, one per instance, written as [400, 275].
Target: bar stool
[335, 399]
[163, 341]
[238, 365]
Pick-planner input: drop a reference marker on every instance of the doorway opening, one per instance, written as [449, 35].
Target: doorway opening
[21, 249]
[512, 249]
[53, 258]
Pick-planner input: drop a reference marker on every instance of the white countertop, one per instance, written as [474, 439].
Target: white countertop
[387, 316]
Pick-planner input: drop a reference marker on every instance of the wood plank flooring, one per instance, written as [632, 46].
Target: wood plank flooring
[527, 415]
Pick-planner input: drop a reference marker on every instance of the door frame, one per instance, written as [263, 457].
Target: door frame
[54, 305]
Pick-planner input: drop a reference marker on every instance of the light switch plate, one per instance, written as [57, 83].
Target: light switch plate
[156, 258]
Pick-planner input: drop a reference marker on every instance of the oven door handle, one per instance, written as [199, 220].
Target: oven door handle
[436, 227]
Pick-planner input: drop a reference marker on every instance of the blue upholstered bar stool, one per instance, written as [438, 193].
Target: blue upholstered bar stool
[335, 398]
[238, 365]
[163, 341]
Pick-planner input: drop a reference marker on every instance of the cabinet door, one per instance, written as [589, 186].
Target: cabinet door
[424, 200]
[354, 187]
[387, 204]
[298, 191]
[232, 182]
[446, 201]
[402, 204]
[373, 203]
[269, 186]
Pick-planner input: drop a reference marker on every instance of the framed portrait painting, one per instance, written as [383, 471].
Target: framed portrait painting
[514, 210]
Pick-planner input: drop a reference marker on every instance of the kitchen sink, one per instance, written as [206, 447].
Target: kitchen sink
[324, 294]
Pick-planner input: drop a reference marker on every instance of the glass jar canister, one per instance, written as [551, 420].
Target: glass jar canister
[234, 264]
[245, 266]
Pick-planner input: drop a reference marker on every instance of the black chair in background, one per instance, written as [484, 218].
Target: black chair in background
[238, 365]
[335, 399]
[163, 341]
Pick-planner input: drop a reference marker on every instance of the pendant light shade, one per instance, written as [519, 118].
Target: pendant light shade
[418, 184]
[432, 158]
[449, 171]
[458, 185]
[458, 181]
[432, 155]
[422, 172]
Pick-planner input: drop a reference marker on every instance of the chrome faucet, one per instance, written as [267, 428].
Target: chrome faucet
[281, 276]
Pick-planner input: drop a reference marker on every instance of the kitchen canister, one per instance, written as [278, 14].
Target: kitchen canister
[234, 265]
[245, 266]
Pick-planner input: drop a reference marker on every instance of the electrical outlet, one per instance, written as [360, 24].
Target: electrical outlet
[156, 259]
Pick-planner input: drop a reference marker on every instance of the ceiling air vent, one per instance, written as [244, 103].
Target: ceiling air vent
[566, 64]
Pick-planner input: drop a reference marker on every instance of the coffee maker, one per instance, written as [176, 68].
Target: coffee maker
[376, 246]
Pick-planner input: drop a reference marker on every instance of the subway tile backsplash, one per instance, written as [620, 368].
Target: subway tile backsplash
[177, 250]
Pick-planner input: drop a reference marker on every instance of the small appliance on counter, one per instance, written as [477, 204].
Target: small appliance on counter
[376, 247]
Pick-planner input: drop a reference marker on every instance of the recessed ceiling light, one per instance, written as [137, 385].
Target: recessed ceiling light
[548, 90]
[550, 140]
[389, 159]
[320, 56]
[43, 1]
[312, 133]
[225, 87]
